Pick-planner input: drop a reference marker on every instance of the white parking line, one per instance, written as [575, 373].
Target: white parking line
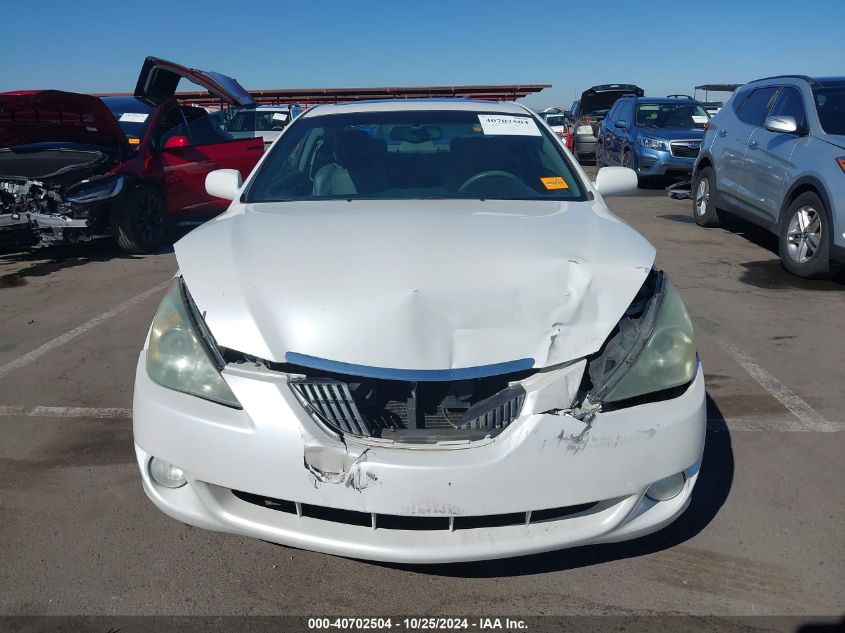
[38, 352]
[113, 413]
[808, 419]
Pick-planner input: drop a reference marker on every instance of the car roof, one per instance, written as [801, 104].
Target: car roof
[399, 105]
[814, 82]
[661, 99]
[830, 82]
[128, 104]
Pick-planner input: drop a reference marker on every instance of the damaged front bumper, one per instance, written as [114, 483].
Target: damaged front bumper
[548, 481]
[33, 213]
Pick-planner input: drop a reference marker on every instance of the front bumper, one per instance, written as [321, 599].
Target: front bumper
[650, 162]
[272, 448]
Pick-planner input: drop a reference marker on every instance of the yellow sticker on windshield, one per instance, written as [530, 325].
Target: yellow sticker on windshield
[554, 182]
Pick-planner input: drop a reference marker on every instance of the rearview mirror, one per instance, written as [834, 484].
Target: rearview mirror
[781, 124]
[415, 133]
[223, 183]
[615, 181]
[622, 124]
[175, 142]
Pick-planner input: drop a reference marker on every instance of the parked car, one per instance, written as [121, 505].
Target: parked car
[653, 136]
[416, 319]
[74, 167]
[266, 122]
[558, 121]
[589, 111]
[775, 155]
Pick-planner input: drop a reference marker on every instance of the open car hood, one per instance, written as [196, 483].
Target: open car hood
[159, 78]
[53, 116]
[604, 96]
[415, 285]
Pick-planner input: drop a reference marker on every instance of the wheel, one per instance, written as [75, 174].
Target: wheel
[805, 237]
[704, 198]
[138, 222]
[599, 161]
[628, 159]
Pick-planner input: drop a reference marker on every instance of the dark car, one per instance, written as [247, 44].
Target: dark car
[588, 112]
[75, 167]
[654, 136]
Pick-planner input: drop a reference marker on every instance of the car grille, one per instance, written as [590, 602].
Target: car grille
[412, 411]
[685, 149]
[398, 522]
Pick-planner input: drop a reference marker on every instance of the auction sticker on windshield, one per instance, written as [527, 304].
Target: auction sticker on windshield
[134, 117]
[554, 182]
[499, 124]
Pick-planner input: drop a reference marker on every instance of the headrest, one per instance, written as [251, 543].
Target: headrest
[350, 146]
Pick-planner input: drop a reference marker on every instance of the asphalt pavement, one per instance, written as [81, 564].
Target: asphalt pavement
[763, 535]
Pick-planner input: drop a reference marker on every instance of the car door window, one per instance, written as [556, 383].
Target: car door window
[170, 124]
[790, 103]
[202, 129]
[755, 108]
[626, 113]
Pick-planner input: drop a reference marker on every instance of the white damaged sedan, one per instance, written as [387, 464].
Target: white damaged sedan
[419, 335]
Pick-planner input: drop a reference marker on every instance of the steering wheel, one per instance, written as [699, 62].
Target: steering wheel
[494, 173]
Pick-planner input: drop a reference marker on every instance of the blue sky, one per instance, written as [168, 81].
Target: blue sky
[663, 46]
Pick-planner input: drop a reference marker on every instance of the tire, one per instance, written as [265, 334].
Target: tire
[599, 162]
[704, 198]
[805, 236]
[139, 221]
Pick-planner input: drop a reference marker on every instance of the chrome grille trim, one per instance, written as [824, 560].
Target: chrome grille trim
[681, 149]
[331, 401]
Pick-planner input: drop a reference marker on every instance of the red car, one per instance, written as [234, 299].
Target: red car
[75, 167]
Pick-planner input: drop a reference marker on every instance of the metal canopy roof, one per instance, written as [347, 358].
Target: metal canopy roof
[718, 87]
[509, 92]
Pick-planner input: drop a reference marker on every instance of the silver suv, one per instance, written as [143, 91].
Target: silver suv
[775, 155]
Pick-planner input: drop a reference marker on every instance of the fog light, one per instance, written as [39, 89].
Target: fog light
[166, 474]
[667, 488]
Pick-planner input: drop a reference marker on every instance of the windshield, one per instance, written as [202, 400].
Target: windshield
[132, 114]
[830, 104]
[554, 120]
[687, 116]
[411, 155]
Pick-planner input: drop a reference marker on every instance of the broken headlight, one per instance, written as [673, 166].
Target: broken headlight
[179, 357]
[98, 190]
[653, 349]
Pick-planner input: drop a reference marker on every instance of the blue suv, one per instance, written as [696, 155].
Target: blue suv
[652, 135]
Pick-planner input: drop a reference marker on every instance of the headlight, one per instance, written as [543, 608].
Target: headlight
[98, 190]
[652, 143]
[651, 352]
[584, 129]
[177, 357]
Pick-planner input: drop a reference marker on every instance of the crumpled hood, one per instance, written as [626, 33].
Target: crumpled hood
[419, 285]
[51, 116]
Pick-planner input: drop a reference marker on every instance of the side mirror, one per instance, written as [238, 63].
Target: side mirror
[223, 183]
[781, 124]
[175, 142]
[621, 124]
[615, 181]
